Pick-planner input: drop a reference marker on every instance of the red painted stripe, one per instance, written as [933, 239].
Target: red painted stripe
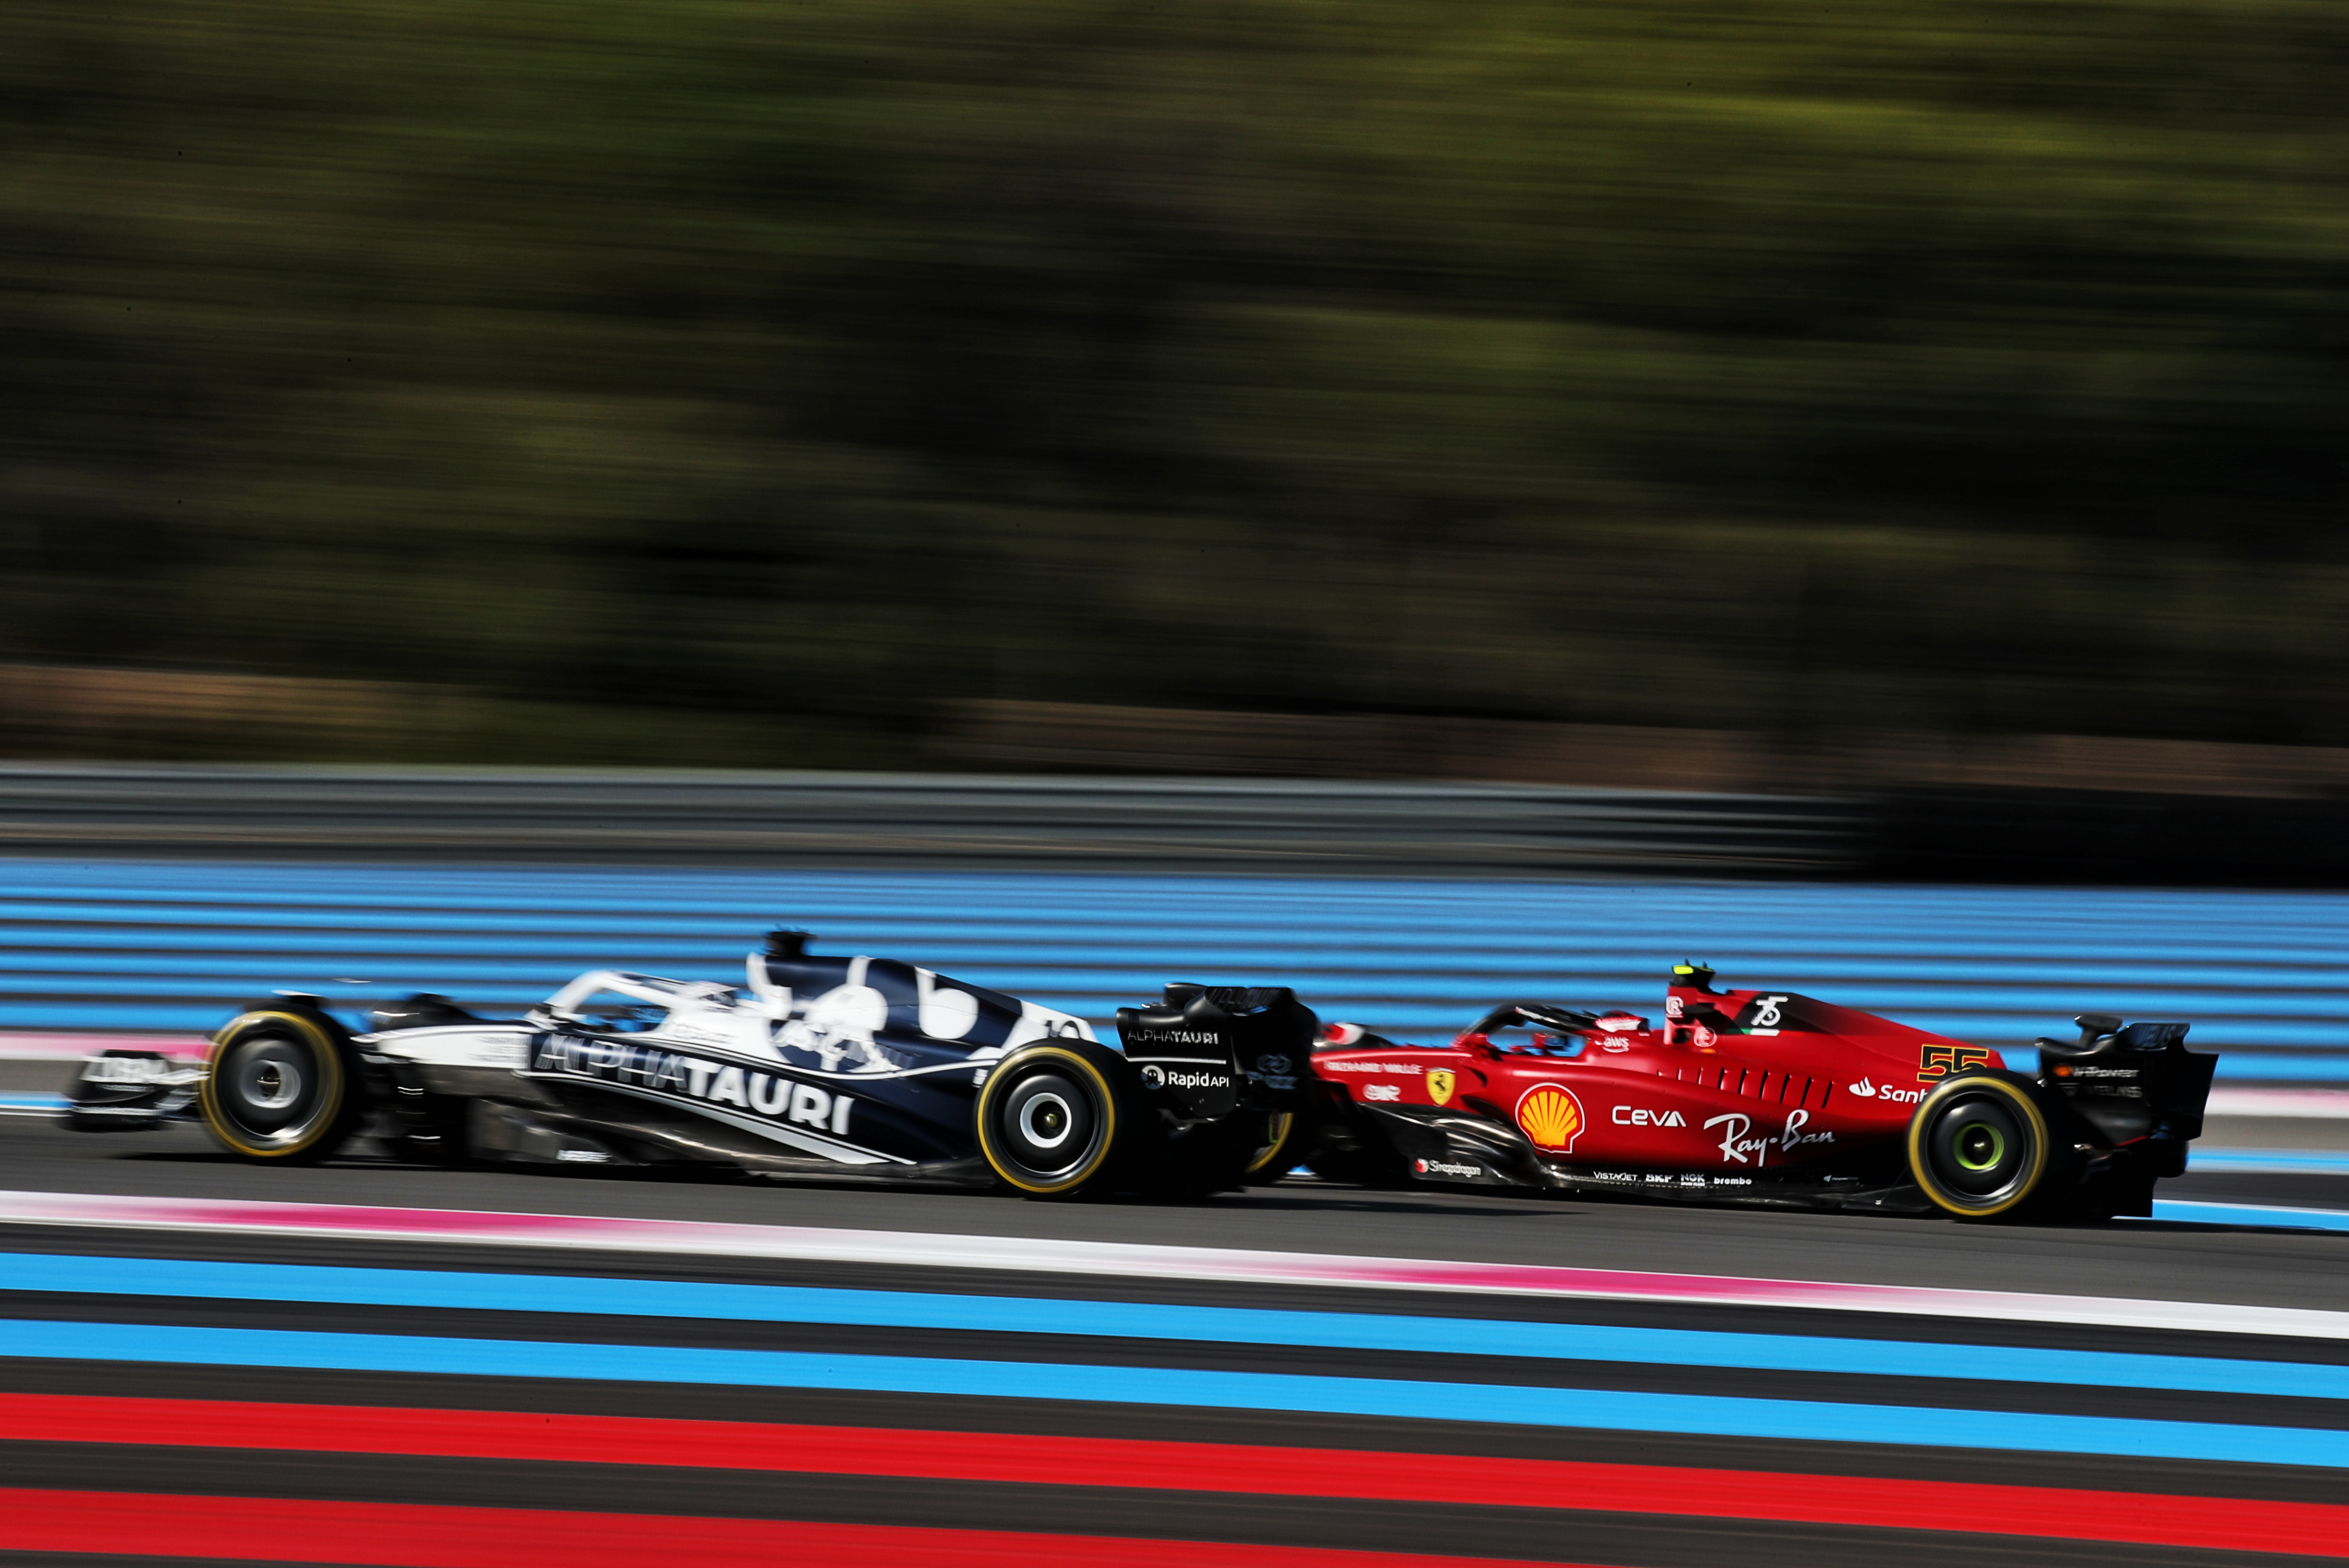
[413, 1535]
[2140, 1518]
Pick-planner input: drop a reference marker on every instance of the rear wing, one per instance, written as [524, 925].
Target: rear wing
[1207, 1040]
[2134, 1083]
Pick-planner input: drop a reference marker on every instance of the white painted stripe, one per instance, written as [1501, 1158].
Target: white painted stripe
[36, 1047]
[2329, 1104]
[1034, 1254]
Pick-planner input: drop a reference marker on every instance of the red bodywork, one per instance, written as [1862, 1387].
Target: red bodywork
[1733, 1083]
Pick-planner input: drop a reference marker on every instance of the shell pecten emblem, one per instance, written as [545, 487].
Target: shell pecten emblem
[1439, 1084]
[1550, 1116]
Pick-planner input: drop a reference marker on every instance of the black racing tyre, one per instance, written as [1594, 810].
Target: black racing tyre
[1982, 1147]
[279, 1089]
[1287, 1139]
[1051, 1118]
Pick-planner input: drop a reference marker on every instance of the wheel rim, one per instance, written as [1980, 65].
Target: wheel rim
[1048, 1126]
[269, 1084]
[1980, 1147]
[1979, 1150]
[1045, 1121]
[271, 1091]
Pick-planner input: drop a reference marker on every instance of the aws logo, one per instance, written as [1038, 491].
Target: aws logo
[1550, 1116]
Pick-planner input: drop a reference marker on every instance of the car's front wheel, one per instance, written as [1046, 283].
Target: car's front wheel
[1050, 1119]
[278, 1089]
[1981, 1148]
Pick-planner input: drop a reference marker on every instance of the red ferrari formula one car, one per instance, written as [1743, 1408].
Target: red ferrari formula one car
[1765, 1097]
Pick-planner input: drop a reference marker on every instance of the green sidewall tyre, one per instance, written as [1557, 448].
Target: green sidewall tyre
[1981, 1146]
[278, 1088]
[1039, 1095]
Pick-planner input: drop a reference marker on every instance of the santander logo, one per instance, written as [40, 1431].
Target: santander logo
[1863, 1090]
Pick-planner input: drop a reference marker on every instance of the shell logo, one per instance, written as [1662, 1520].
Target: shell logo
[1550, 1116]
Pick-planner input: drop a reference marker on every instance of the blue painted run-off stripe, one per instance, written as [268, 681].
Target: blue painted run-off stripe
[2265, 1217]
[1799, 1420]
[1131, 1320]
[2270, 1161]
[1997, 965]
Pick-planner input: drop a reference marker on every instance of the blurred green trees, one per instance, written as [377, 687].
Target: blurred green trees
[1791, 367]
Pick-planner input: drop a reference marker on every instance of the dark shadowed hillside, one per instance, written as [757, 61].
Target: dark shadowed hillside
[757, 382]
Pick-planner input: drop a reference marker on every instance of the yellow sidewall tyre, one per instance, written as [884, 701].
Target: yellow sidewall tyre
[1049, 1118]
[1288, 1135]
[277, 1089]
[1981, 1148]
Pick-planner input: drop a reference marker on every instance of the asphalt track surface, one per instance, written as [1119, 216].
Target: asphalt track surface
[2251, 1265]
[177, 1414]
[736, 818]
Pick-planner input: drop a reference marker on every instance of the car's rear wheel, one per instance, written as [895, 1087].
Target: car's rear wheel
[278, 1089]
[1050, 1120]
[1287, 1137]
[1981, 1148]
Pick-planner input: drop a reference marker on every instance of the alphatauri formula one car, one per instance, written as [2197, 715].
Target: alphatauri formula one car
[1765, 1097]
[858, 1067]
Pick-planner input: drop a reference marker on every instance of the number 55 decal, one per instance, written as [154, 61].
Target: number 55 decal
[1940, 1061]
